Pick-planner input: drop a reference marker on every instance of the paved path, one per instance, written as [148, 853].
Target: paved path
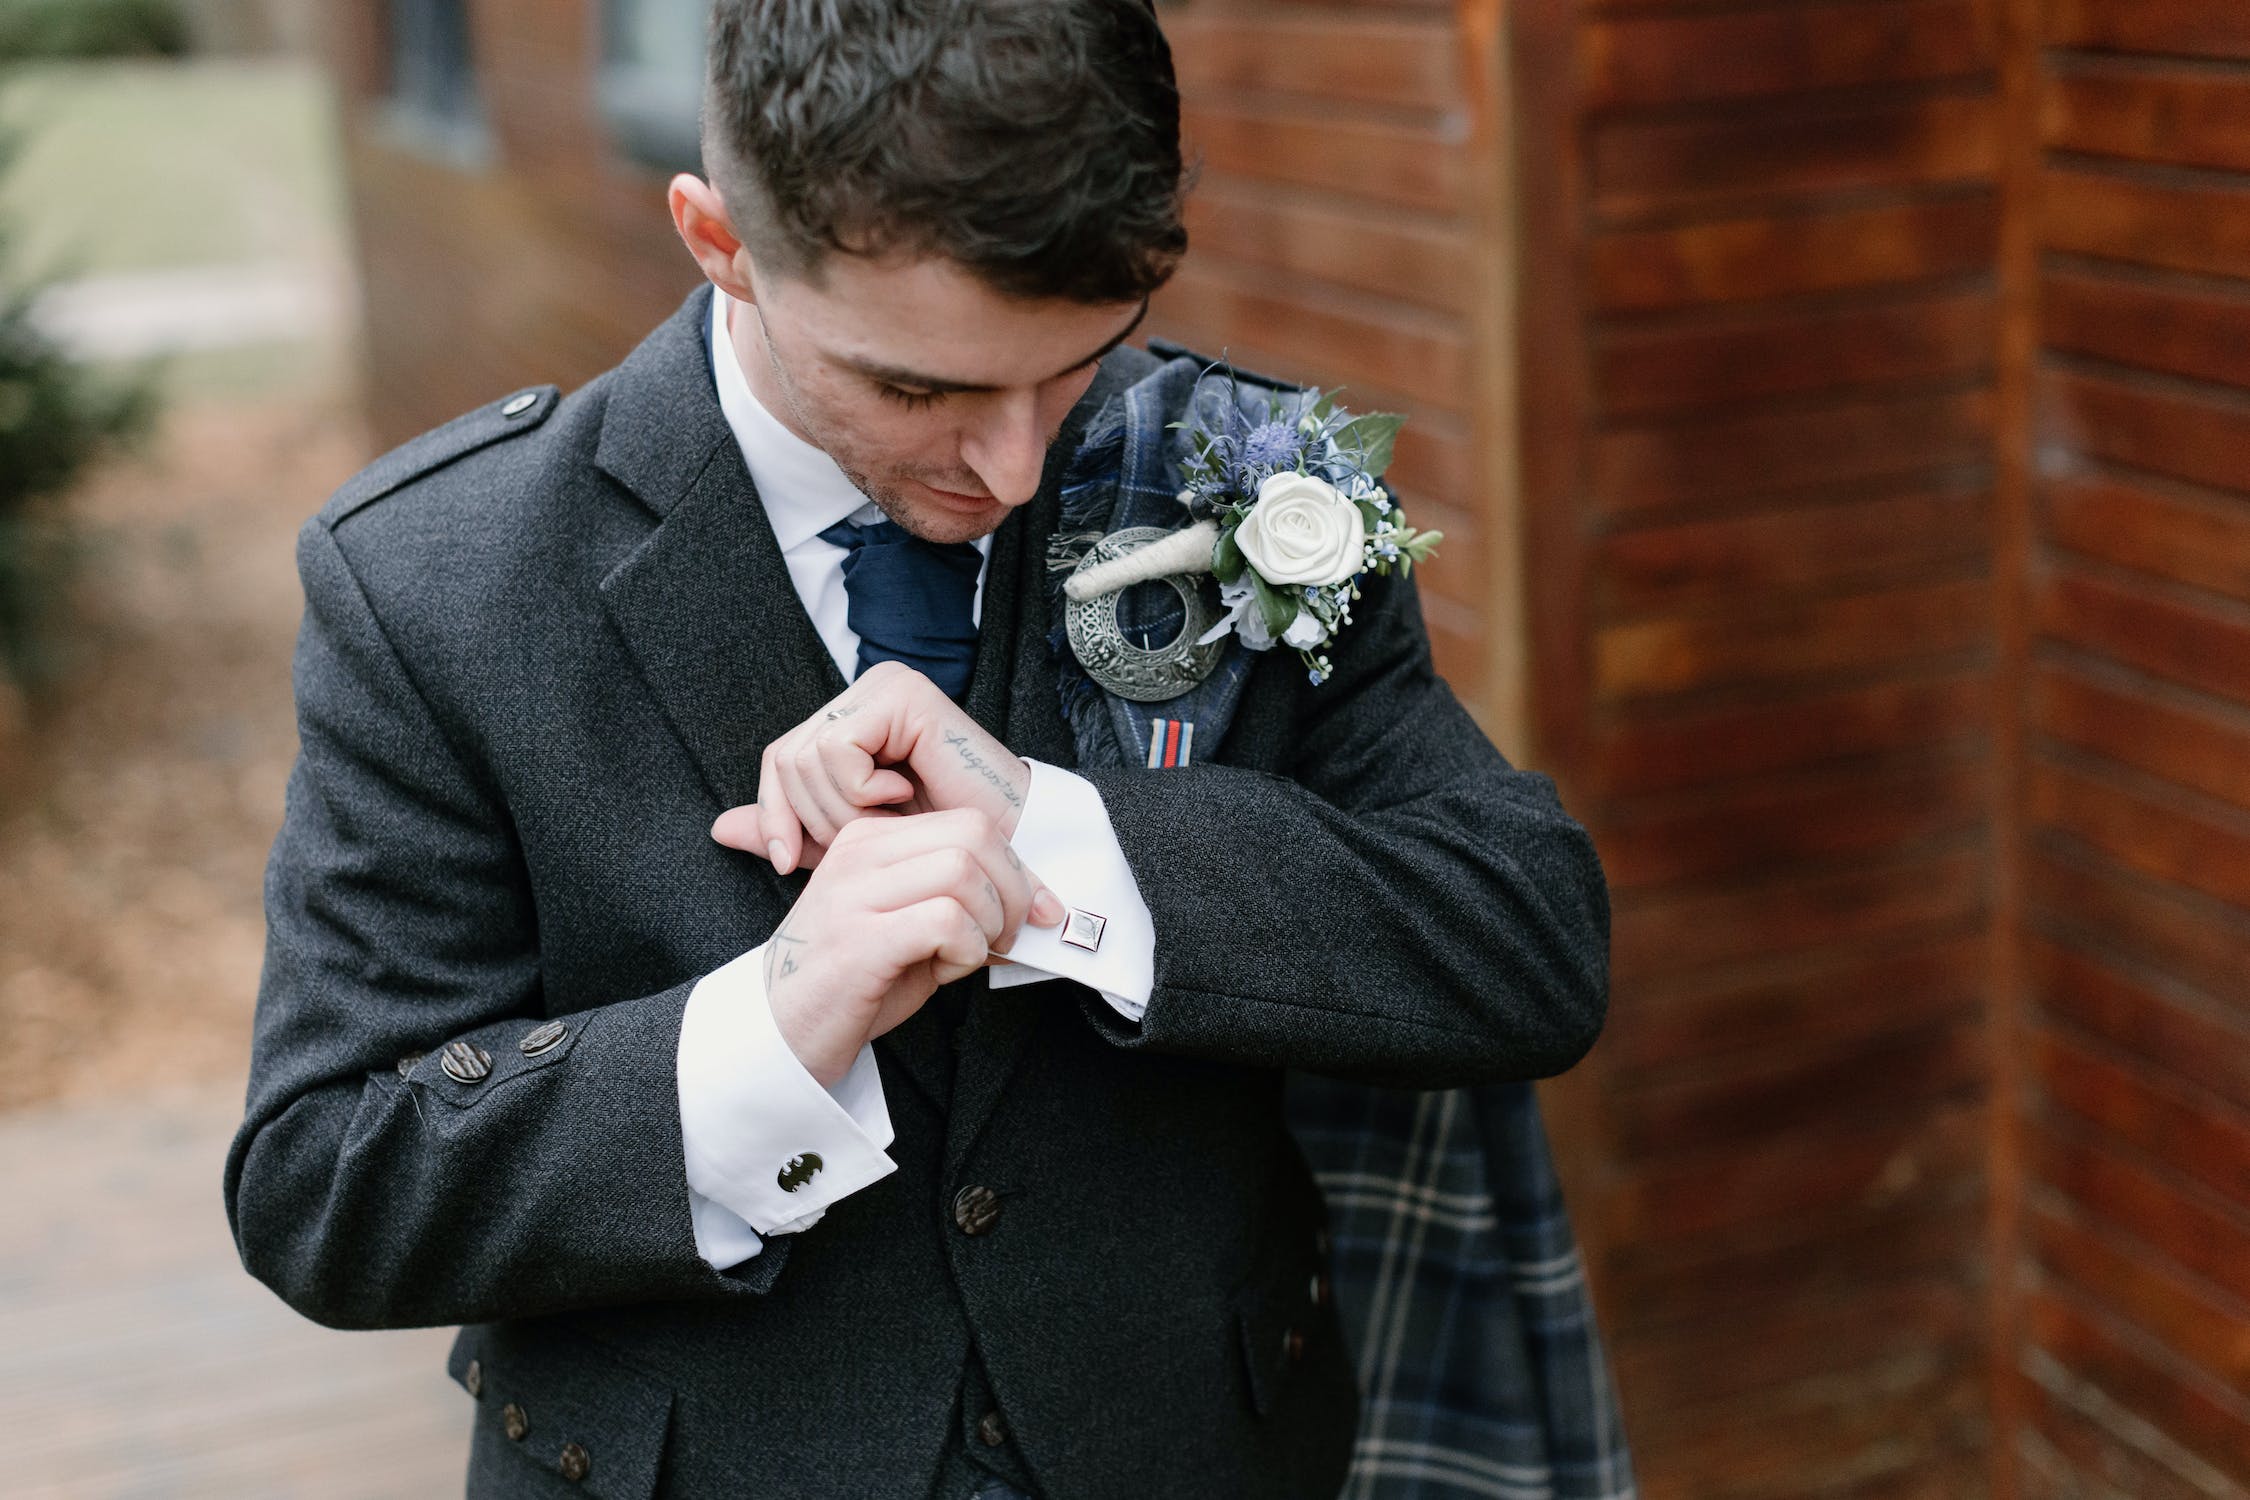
[200, 307]
[138, 1359]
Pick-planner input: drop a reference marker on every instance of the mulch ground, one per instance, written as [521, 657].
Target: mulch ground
[139, 796]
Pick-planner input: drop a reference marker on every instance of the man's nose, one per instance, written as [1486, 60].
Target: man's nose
[1008, 448]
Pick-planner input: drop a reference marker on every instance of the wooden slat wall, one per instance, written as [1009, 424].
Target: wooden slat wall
[1347, 230]
[2132, 1305]
[1759, 339]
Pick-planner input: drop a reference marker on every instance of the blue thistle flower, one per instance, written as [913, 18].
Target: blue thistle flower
[1270, 445]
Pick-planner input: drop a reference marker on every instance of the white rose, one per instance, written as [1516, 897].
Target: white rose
[1302, 531]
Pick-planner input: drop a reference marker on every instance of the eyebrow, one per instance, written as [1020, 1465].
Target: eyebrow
[897, 375]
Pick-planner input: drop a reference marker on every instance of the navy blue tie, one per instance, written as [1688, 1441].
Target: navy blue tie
[910, 600]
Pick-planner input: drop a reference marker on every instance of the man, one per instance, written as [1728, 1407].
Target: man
[747, 1171]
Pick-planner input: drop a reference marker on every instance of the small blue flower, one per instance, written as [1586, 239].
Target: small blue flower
[1272, 445]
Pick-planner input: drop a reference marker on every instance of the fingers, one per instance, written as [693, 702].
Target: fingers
[782, 834]
[957, 854]
[941, 931]
[952, 873]
[819, 807]
[963, 831]
[826, 772]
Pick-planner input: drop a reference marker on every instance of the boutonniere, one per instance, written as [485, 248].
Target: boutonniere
[1287, 514]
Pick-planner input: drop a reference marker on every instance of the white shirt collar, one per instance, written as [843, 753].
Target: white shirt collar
[802, 489]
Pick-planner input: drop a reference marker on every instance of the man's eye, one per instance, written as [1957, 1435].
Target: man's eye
[912, 400]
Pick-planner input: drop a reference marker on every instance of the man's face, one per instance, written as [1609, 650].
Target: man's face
[936, 395]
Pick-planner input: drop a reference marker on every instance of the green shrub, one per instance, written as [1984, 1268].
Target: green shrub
[55, 419]
[42, 29]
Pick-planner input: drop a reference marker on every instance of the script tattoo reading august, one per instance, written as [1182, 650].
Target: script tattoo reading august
[978, 764]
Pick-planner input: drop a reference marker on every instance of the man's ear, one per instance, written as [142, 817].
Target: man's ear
[700, 215]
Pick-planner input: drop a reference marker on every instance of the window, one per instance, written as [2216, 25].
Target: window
[433, 103]
[651, 83]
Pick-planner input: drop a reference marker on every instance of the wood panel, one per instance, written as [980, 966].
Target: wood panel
[1646, 60]
[1757, 258]
[2137, 801]
[1677, 366]
[2183, 119]
[1772, 232]
[1644, 166]
[1805, 550]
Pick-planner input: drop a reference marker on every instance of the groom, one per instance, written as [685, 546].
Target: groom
[700, 961]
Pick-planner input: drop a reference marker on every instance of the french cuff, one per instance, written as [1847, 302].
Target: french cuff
[1108, 938]
[763, 1140]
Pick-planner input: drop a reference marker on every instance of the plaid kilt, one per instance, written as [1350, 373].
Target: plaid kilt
[1479, 1361]
[1480, 1365]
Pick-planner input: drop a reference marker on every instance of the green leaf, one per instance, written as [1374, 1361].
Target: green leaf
[1227, 561]
[1276, 606]
[1372, 513]
[1370, 435]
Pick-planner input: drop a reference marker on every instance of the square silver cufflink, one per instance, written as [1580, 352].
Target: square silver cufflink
[1083, 929]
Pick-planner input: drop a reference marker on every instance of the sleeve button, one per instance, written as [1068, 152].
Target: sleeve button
[465, 1063]
[542, 1038]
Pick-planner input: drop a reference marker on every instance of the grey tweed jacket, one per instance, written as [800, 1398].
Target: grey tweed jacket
[542, 648]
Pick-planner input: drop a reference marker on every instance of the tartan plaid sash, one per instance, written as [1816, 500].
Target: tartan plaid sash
[1479, 1362]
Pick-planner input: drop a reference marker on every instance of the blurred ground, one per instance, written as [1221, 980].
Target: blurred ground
[149, 785]
[140, 801]
[137, 1360]
[196, 211]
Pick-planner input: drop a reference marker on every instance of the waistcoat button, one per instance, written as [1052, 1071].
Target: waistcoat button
[976, 1209]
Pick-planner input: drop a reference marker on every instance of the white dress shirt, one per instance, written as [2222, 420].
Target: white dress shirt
[747, 1106]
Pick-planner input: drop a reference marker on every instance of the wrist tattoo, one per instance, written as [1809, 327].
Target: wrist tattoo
[783, 951]
[977, 763]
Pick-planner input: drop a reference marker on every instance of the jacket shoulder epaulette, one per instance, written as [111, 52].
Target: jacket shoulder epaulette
[511, 416]
[1166, 349]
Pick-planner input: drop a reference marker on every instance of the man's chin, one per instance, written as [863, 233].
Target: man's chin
[940, 516]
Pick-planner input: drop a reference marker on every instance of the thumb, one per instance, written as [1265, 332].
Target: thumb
[737, 828]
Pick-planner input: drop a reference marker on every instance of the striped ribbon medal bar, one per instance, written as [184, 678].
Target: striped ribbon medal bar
[1169, 742]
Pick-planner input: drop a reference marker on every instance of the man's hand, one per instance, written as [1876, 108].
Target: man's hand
[835, 768]
[900, 906]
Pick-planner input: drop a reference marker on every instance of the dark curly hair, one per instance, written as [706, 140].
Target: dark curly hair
[1034, 142]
